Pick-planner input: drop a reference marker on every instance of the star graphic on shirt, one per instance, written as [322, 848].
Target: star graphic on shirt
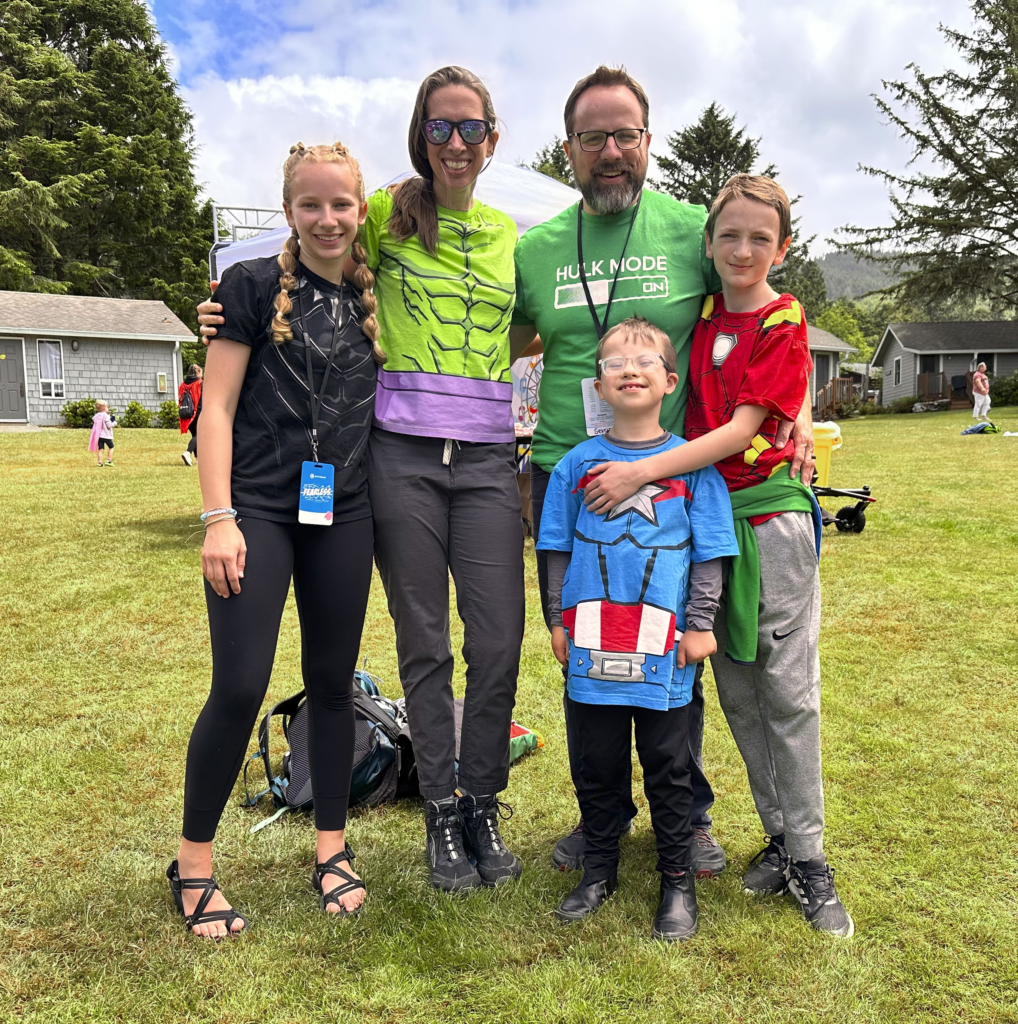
[642, 503]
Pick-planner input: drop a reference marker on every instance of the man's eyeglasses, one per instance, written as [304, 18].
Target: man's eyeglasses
[644, 362]
[594, 142]
[473, 133]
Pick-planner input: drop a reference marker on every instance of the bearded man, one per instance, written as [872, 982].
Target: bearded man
[623, 251]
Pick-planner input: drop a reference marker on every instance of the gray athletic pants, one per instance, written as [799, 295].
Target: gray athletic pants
[773, 707]
[463, 516]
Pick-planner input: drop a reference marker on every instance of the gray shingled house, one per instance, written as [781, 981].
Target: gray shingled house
[935, 361]
[827, 351]
[55, 348]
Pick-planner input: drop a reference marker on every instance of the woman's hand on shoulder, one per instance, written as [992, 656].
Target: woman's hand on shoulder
[208, 316]
[223, 556]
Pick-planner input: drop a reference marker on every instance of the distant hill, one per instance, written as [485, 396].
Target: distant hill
[847, 277]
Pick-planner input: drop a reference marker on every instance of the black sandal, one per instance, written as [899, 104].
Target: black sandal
[200, 916]
[331, 867]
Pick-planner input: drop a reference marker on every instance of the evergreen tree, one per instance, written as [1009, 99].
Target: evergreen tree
[553, 162]
[954, 228]
[97, 190]
[704, 156]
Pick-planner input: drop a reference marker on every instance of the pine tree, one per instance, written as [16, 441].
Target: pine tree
[704, 156]
[954, 229]
[97, 189]
[553, 162]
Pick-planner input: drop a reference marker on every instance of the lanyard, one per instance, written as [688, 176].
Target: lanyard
[316, 400]
[601, 325]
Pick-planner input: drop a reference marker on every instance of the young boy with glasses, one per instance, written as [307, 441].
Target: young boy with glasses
[748, 370]
[632, 596]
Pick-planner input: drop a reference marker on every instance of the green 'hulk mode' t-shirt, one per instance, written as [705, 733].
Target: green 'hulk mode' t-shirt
[444, 322]
[664, 278]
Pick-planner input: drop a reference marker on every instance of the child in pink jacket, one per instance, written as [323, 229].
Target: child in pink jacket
[102, 433]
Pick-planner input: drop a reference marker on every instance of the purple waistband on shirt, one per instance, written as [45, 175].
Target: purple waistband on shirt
[439, 405]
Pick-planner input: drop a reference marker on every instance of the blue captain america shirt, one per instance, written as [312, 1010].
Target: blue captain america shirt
[625, 591]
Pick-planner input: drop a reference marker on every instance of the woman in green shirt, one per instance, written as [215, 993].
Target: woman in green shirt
[441, 467]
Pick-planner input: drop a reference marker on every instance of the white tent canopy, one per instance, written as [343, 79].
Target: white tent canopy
[524, 194]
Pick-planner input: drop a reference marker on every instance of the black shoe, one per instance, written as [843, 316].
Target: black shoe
[569, 850]
[675, 920]
[585, 899]
[811, 882]
[483, 841]
[709, 858]
[451, 869]
[767, 874]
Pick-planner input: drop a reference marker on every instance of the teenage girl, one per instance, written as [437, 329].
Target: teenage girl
[289, 382]
[443, 470]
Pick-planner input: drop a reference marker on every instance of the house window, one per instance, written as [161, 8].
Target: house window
[986, 357]
[897, 371]
[51, 369]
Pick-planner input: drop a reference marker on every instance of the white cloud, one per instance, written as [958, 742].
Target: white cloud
[799, 73]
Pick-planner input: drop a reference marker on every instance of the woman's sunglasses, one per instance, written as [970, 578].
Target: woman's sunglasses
[473, 133]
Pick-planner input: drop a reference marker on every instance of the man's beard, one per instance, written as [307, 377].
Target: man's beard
[605, 199]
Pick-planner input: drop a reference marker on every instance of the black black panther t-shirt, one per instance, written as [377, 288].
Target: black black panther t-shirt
[272, 426]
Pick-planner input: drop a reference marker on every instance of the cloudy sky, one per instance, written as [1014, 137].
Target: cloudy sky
[799, 73]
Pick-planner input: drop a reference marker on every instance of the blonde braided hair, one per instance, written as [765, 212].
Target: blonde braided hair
[288, 258]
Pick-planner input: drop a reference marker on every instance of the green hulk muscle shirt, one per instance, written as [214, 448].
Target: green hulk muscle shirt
[664, 277]
[444, 322]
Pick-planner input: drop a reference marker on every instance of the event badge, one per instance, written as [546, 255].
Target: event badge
[316, 480]
[596, 411]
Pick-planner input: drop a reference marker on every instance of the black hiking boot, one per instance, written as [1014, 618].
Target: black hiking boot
[811, 882]
[495, 862]
[767, 874]
[451, 869]
[569, 850]
[676, 916]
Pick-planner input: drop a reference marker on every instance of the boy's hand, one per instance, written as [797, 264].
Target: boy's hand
[613, 482]
[696, 645]
[560, 645]
[207, 316]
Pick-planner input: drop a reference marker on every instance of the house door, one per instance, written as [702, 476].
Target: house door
[822, 363]
[13, 405]
[928, 364]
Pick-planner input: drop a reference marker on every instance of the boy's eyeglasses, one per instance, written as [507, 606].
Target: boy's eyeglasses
[594, 142]
[643, 361]
[473, 132]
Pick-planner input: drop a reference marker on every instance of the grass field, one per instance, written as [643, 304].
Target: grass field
[104, 664]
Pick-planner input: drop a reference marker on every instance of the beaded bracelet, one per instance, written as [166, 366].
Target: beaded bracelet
[231, 512]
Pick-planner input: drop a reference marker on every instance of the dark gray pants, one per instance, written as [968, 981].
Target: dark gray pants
[703, 794]
[432, 518]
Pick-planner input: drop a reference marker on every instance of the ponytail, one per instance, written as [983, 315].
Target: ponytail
[287, 261]
[415, 212]
[365, 281]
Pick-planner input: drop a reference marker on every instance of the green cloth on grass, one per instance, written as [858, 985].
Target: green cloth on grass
[779, 493]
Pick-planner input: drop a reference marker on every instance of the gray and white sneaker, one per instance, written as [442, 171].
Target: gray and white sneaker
[709, 858]
[811, 882]
[767, 874]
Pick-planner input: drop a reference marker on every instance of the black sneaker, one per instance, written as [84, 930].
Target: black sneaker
[451, 869]
[767, 874]
[811, 882]
[569, 850]
[709, 858]
[495, 862]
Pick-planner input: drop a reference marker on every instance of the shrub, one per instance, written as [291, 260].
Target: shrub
[1004, 390]
[903, 404]
[136, 415]
[169, 415]
[79, 414]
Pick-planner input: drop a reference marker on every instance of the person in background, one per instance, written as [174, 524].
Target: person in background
[102, 433]
[192, 386]
[980, 393]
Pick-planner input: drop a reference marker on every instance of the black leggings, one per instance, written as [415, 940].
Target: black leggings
[331, 570]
